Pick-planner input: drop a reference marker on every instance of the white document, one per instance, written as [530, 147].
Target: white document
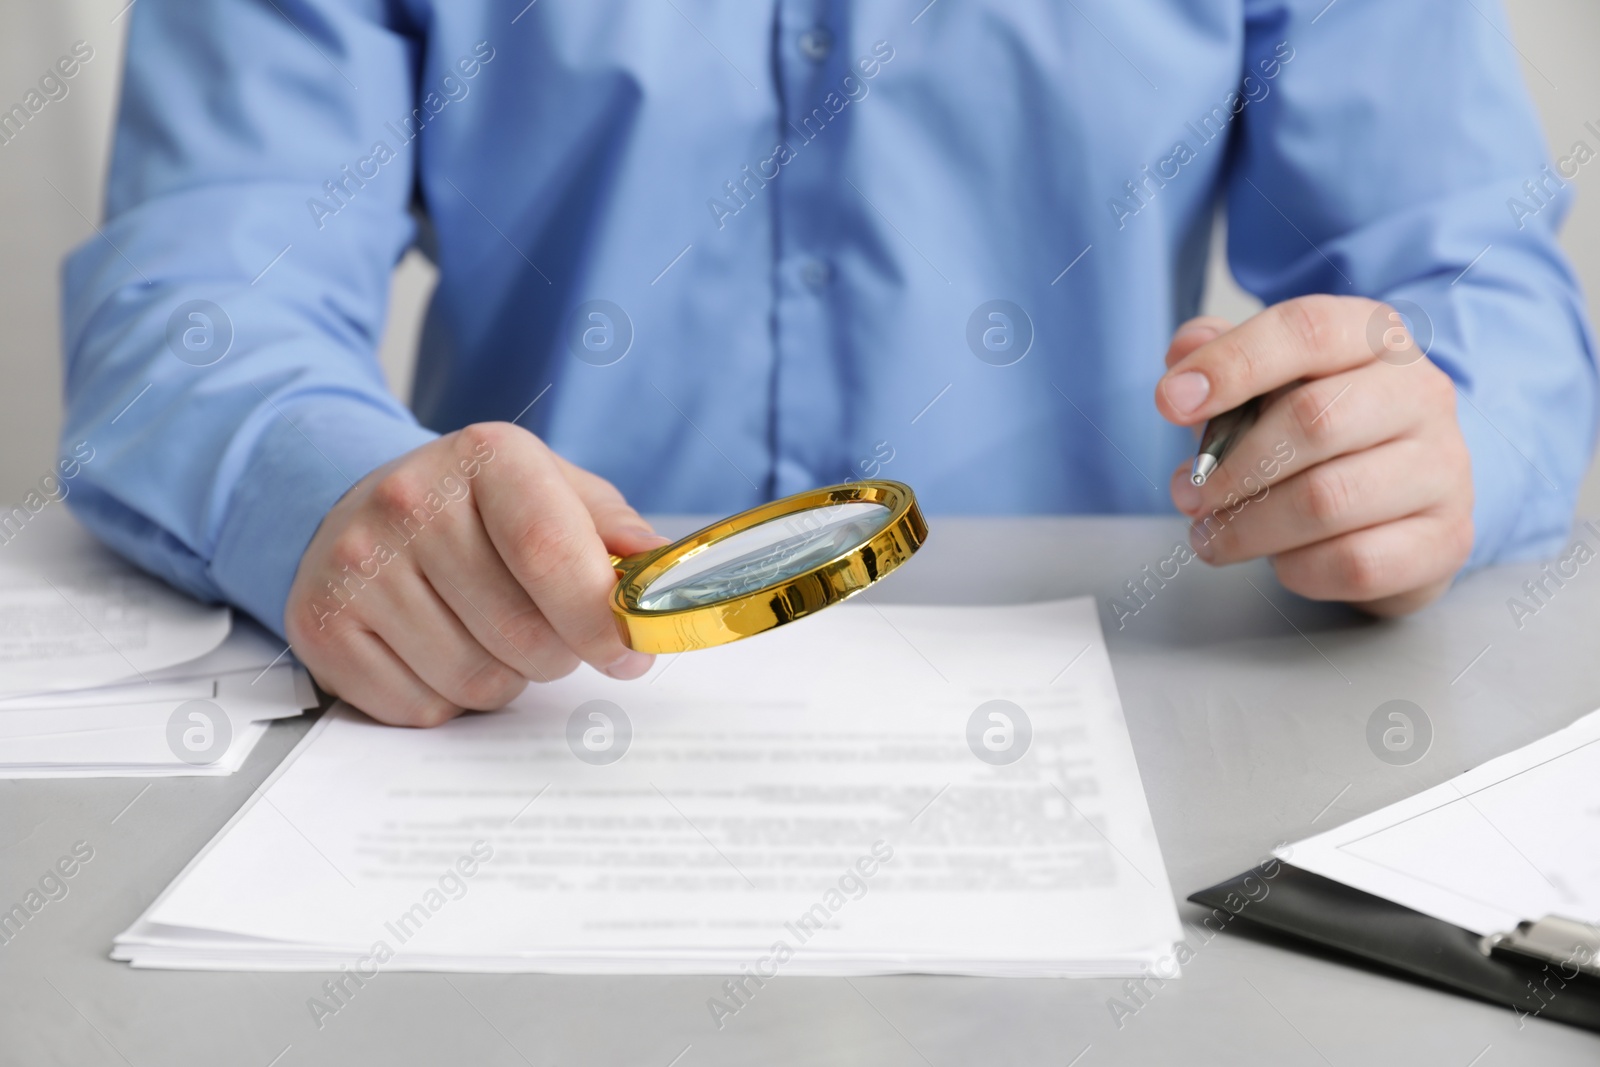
[244, 697]
[96, 659]
[106, 696]
[75, 615]
[806, 801]
[135, 740]
[124, 753]
[1511, 840]
[248, 648]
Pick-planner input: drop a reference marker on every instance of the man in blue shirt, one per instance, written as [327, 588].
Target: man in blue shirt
[694, 255]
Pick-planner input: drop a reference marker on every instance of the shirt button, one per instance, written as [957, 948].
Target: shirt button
[816, 273]
[816, 43]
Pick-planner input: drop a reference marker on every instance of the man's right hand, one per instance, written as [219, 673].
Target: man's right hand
[451, 577]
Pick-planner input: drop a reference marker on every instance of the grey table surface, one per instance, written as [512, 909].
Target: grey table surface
[1248, 711]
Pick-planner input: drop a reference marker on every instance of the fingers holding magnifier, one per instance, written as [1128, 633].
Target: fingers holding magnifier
[470, 577]
[356, 665]
[451, 576]
[547, 537]
[410, 617]
[622, 529]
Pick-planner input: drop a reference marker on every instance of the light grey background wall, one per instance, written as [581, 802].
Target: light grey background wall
[52, 178]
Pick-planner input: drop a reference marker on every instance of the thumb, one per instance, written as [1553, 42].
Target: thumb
[1194, 333]
[622, 529]
[625, 539]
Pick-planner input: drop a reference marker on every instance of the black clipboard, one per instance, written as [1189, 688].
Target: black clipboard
[1499, 970]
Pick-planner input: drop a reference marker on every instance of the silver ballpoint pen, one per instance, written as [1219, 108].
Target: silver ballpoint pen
[1220, 434]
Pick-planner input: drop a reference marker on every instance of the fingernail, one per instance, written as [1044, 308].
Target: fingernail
[630, 664]
[645, 535]
[1186, 495]
[1196, 333]
[1187, 391]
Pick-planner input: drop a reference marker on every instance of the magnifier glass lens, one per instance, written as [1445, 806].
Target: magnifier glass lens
[765, 555]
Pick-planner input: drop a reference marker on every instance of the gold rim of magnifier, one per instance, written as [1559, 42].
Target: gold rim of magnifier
[793, 598]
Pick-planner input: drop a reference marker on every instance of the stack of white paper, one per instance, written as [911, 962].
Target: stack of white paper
[947, 790]
[105, 671]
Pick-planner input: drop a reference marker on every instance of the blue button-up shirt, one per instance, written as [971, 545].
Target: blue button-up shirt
[718, 252]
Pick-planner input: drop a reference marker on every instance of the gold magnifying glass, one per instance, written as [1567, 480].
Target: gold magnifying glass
[765, 567]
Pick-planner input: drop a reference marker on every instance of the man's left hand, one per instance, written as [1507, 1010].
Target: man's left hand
[1355, 479]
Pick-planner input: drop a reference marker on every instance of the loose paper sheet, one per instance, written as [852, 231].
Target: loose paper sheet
[243, 696]
[74, 615]
[135, 752]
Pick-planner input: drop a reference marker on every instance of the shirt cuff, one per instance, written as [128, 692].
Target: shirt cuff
[1517, 513]
[297, 472]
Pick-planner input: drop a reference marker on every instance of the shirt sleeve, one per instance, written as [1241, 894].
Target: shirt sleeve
[1390, 150]
[220, 329]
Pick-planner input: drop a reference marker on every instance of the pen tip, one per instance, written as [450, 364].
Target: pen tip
[1204, 464]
